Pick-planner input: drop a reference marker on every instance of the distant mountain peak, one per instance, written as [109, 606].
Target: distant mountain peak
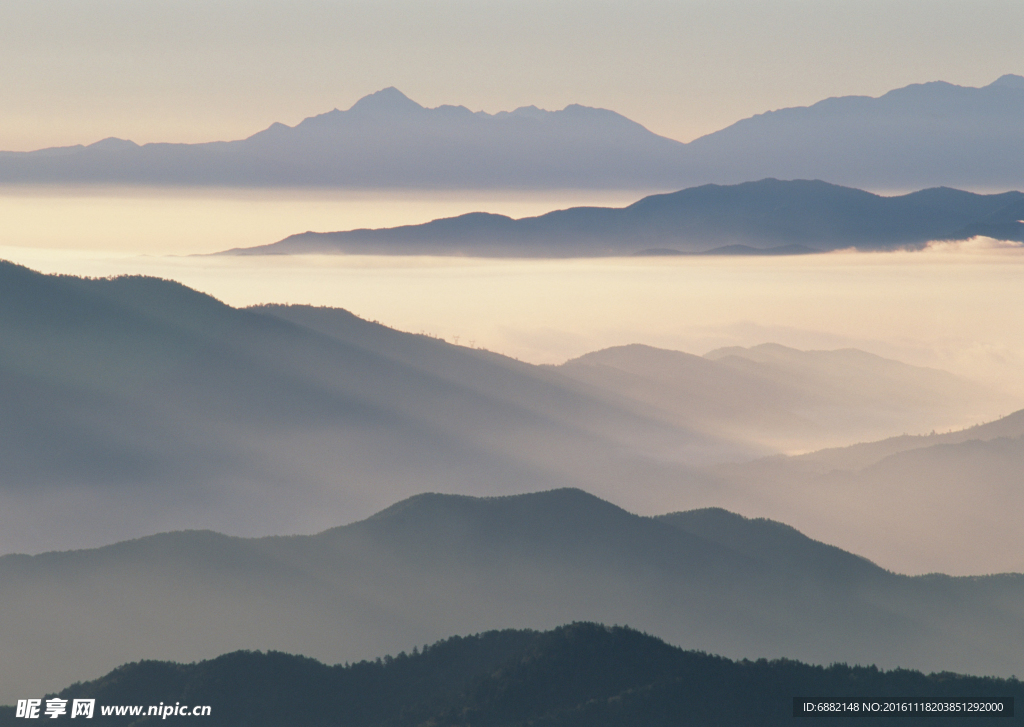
[113, 143]
[530, 111]
[430, 504]
[388, 100]
[1010, 80]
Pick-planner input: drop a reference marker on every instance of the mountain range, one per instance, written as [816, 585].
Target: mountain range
[134, 405]
[435, 565]
[581, 674]
[922, 135]
[765, 217]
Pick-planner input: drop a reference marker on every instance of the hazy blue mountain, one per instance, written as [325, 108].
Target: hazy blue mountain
[386, 140]
[858, 456]
[133, 405]
[436, 565]
[785, 399]
[765, 217]
[922, 135]
[939, 502]
[925, 134]
[582, 674]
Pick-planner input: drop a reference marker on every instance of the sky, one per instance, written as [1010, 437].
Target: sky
[76, 71]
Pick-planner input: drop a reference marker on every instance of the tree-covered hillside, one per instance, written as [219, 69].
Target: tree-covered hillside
[574, 676]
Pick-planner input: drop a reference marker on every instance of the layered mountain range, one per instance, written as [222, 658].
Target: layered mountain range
[921, 135]
[436, 565]
[438, 489]
[134, 405]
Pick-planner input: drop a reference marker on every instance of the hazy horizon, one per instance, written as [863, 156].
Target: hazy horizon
[97, 219]
[221, 70]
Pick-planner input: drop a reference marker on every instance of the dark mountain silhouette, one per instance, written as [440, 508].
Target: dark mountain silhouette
[435, 565]
[1006, 223]
[765, 217]
[922, 135]
[581, 674]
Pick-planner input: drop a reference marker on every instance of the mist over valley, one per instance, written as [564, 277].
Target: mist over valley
[756, 395]
[173, 410]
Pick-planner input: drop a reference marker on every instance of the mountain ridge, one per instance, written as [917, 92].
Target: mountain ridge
[150, 406]
[135, 391]
[788, 400]
[921, 135]
[926, 473]
[435, 565]
[768, 215]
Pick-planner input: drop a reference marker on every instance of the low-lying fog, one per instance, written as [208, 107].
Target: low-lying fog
[958, 307]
